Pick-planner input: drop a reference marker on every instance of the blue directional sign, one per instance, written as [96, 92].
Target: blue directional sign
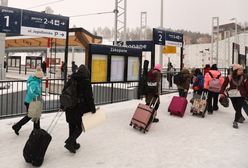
[173, 36]
[10, 20]
[42, 24]
[32, 23]
[158, 36]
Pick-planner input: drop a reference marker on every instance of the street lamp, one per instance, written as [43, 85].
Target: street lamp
[236, 29]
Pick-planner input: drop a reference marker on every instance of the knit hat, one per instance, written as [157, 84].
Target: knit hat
[38, 73]
[158, 67]
[237, 66]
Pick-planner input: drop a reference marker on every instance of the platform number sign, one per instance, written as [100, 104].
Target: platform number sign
[159, 36]
[10, 20]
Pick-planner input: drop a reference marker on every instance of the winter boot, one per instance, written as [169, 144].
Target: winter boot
[76, 145]
[155, 120]
[70, 147]
[235, 125]
[241, 119]
[16, 128]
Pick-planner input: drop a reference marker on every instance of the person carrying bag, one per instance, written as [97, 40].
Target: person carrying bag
[33, 92]
[236, 92]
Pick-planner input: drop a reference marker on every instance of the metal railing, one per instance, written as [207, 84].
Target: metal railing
[13, 92]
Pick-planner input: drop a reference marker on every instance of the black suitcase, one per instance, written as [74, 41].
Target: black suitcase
[36, 146]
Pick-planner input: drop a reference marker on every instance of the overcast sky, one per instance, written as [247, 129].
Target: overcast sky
[194, 15]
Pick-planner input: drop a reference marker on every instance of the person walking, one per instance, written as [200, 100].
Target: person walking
[85, 104]
[74, 67]
[198, 82]
[237, 91]
[62, 68]
[43, 67]
[33, 92]
[212, 84]
[185, 80]
[153, 91]
[170, 71]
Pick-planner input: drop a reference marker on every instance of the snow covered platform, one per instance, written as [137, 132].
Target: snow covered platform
[174, 142]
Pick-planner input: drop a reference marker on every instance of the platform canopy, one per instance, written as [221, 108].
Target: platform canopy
[77, 37]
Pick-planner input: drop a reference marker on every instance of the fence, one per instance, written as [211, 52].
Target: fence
[12, 93]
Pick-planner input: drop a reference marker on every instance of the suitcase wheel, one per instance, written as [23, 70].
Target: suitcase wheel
[203, 116]
[131, 124]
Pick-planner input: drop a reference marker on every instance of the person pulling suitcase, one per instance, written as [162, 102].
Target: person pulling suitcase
[153, 88]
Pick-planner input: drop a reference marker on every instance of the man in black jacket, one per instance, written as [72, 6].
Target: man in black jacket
[85, 104]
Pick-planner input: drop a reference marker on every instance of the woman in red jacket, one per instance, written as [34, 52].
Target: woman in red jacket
[236, 92]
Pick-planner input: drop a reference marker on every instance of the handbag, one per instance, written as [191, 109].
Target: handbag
[34, 110]
[233, 93]
[92, 120]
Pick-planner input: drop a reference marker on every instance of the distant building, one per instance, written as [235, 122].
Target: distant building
[227, 30]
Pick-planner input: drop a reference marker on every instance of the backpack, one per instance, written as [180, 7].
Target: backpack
[69, 98]
[214, 84]
[179, 79]
[198, 84]
[151, 83]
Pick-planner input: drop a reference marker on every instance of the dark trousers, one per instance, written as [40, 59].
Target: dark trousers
[26, 119]
[183, 93]
[75, 131]
[212, 101]
[237, 103]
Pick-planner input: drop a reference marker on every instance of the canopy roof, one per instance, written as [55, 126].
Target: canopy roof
[77, 37]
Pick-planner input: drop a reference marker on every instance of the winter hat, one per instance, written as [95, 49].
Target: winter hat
[237, 66]
[38, 73]
[157, 67]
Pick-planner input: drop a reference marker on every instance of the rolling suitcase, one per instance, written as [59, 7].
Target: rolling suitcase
[178, 106]
[199, 106]
[143, 116]
[38, 142]
[36, 146]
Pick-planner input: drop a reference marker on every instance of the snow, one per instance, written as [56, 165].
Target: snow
[174, 142]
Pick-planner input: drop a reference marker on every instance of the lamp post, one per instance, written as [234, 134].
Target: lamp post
[2, 46]
[236, 29]
[161, 25]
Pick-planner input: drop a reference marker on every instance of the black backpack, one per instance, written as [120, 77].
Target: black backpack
[69, 98]
[179, 79]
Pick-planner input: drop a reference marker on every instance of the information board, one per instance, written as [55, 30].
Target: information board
[117, 68]
[99, 68]
[133, 69]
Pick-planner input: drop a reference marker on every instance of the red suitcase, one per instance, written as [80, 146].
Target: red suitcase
[143, 116]
[178, 106]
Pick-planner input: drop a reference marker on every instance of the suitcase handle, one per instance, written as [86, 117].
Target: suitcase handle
[54, 121]
[150, 105]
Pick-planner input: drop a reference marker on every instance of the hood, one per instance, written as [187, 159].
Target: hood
[83, 72]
